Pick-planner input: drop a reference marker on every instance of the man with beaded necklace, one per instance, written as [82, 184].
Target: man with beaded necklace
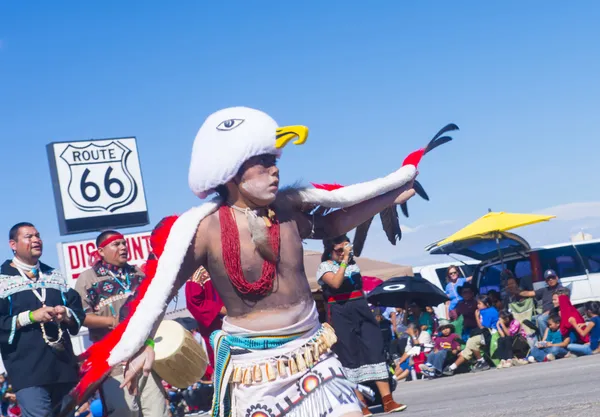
[105, 289]
[38, 311]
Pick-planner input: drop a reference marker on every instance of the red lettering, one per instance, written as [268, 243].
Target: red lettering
[73, 257]
[136, 248]
[147, 241]
[83, 257]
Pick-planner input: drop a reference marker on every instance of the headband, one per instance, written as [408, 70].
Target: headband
[95, 256]
[111, 239]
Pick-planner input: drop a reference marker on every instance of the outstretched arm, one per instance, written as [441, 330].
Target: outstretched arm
[344, 220]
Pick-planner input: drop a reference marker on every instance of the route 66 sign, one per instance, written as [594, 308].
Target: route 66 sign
[97, 185]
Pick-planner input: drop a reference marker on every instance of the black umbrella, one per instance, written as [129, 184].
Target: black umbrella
[397, 292]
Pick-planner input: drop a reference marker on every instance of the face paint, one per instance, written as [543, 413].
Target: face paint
[260, 188]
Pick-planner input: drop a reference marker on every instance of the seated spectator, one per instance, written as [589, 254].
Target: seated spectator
[446, 346]
[544, 296]
[434, 327]
[399, 322]
[570, 318]
[466, 308]
[495, 300]
[422, 318]
[487, 319]
[418, 342]
[512, 292]
[590, 328]
[553, 345]
[512, 342]
[454, 282]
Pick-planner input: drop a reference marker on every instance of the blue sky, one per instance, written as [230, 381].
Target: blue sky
[373, 83]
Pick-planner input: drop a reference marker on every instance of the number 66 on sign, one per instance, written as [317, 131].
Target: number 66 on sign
[97, 185]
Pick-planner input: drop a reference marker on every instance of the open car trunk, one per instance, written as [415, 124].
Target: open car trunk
[484, 248]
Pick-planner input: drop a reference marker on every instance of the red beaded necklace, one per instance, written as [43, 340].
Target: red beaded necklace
[230, 246]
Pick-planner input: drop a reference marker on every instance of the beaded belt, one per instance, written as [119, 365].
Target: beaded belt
[301, 359]
[298, 360]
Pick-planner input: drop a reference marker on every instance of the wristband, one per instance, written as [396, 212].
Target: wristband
[31, 316]
[149, 342]
[343, 265]
[24, 318]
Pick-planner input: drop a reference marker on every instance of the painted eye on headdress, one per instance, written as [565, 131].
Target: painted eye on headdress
[230, 124]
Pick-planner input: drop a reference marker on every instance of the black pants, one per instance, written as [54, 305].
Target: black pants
[505, 350]
[512, 347]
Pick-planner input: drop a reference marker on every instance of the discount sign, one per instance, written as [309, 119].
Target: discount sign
[74, 256]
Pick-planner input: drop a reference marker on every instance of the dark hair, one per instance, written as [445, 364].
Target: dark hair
[13, 233]
[593, 307]
[484, 299]
[554, 317]
[493, 295]
[562, 291]
[328, 245]
[104, 235]
[505, 314]
[222, 191]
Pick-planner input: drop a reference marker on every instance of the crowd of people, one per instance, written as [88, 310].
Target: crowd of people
[490, 330]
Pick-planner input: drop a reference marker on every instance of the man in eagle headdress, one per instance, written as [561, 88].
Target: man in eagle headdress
[272, 356]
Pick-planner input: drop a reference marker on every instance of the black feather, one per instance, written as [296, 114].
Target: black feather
[360, 236]
[420, 190]
[448, 128]
[391, 224]
[437, 142]
[404, 208]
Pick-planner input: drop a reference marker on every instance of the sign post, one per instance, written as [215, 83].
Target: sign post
[97, 185]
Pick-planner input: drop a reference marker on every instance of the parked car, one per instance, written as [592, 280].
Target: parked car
[576, 263]
[436, 274]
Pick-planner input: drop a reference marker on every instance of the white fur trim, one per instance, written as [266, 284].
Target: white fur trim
[357, 193]
[219, 151]
[153, 304]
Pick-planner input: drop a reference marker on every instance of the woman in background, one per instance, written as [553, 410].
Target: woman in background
[360, 346]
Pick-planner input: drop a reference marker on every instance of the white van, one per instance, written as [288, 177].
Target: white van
[436, 274]
[576, 263]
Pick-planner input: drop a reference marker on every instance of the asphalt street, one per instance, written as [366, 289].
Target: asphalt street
[563, 388]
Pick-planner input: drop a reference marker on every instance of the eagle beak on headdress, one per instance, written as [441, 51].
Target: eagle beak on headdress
[287, 133]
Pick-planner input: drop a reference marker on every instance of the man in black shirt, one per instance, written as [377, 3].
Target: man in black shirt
[544, 296]
[38, 311]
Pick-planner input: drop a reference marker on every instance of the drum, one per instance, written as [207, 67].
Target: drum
[179, 359]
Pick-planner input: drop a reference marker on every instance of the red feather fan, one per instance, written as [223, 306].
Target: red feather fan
[95, 367]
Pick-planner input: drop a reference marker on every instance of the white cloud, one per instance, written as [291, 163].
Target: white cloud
[574, 211]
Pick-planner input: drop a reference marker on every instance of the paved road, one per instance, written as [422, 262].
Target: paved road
[564, 388]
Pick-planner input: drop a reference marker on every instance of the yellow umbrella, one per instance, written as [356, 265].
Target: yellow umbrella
[495, 222]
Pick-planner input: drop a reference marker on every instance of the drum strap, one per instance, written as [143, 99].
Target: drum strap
[222, 344]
